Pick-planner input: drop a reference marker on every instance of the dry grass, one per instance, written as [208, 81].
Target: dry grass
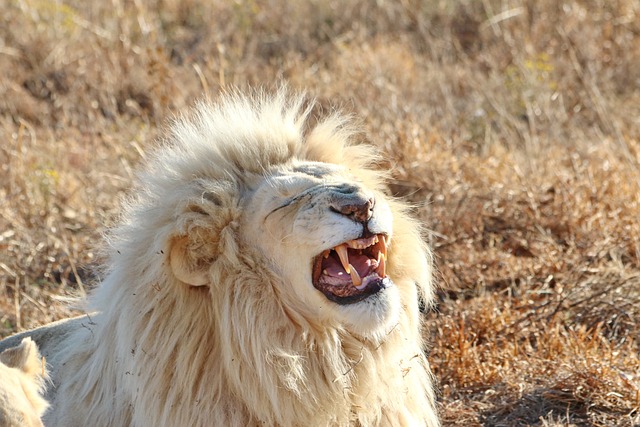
[512, 125]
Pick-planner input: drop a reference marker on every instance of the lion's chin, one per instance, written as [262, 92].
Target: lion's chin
[373, 316]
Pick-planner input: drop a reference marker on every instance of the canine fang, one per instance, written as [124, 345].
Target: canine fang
[355, 277]
[382, 264]
[344, 257]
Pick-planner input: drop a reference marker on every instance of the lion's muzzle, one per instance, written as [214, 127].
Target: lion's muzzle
[352, 202]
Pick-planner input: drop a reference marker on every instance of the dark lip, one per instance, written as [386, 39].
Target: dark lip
[372, 288]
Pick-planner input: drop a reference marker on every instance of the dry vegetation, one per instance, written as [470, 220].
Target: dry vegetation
[514, 127]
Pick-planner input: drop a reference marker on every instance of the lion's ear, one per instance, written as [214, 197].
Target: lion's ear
[185, 266]
[202, 231]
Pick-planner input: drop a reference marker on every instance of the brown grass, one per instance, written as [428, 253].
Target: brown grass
[512, 125]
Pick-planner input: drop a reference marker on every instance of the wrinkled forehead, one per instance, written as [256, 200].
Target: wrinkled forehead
[296, 177]
[299, 171]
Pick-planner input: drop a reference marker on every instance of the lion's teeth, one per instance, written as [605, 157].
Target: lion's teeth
[354, 244]
[361, 243]
[355, 277]
[344, 257]
[326, 253]
[383, 247]
[382, 265]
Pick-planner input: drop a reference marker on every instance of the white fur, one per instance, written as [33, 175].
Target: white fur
[22, 377]
[207, 315]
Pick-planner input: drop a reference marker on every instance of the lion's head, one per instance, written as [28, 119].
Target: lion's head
[305, 203]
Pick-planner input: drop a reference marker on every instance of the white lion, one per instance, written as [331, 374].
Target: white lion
[22, 377]
[261, 276]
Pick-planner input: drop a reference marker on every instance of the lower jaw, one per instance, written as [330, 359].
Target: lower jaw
[372, 289]
[373, 318]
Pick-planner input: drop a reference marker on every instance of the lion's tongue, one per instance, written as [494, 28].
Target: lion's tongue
[335, 274]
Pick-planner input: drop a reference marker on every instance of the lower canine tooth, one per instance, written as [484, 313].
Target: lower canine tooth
[382, 267]
[355, 277]
[344, 257]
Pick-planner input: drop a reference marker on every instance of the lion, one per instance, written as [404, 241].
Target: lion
[22, 378]
[261, 275]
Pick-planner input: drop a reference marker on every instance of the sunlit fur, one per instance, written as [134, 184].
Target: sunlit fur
[242, 349]
[22, 380]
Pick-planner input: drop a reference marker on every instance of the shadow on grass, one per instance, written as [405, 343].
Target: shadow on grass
[555, 407]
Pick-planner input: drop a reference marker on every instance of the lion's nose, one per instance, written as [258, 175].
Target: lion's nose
[355, 205]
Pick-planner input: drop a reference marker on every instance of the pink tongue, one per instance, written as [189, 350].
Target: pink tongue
[361, 263]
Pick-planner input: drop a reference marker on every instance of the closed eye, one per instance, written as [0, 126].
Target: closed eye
[291, 201]
[300, 197]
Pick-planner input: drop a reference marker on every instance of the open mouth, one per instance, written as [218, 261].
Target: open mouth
[353, 270]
